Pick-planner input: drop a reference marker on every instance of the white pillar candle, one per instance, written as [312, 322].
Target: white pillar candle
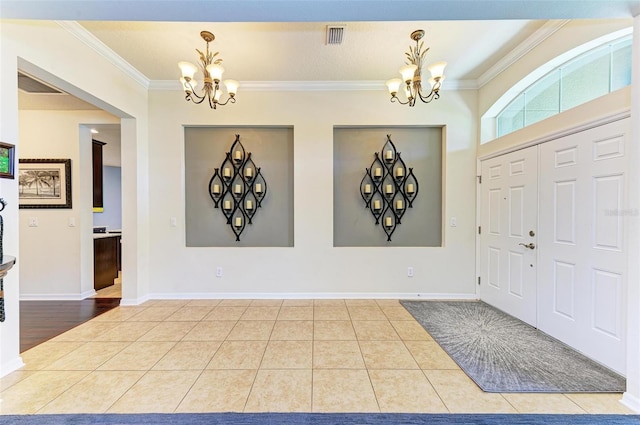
[367, 188]
[399, 205]
[238, 155]
[237, 189]
[399, 172]
[238, 221]
[226, 172]
[376, 204]
[377, 172]
[216, 189]
[227, 205]
[258, 188]
[387, 221]
[388, 189]
[248, 172]
[410, 188]
[389, 155]
[249, 204]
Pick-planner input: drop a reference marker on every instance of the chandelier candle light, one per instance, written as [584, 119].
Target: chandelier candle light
[412, 75]
[212, 71]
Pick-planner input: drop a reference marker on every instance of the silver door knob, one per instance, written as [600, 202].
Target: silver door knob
[528, 245]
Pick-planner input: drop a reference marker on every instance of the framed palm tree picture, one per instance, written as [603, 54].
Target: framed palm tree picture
[44, 183]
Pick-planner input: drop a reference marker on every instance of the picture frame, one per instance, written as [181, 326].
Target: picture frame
[44, 183]
[7, 163]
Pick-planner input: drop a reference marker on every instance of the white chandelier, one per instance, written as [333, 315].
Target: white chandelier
[412, 78]
[212, 71]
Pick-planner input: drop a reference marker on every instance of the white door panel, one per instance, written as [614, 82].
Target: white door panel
[508, 215]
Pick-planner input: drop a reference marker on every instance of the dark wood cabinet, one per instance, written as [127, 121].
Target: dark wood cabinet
[98, 203]
[106, 260]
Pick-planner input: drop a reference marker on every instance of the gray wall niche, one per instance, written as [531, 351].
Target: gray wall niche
[272, 150]
[353, 152]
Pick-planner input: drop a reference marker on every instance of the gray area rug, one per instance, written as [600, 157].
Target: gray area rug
[503, 354]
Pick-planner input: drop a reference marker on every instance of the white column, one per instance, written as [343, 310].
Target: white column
[631, 397]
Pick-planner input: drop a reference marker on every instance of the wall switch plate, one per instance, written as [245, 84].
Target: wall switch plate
[409, 271]
[218, 271]
[72, 222]
[33, 221]
[454, 222]
[173, 222]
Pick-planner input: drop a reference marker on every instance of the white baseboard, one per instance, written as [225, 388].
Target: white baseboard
[53, 297]
[631, 401]
[133, 301]
[306, 295]
[13, 365]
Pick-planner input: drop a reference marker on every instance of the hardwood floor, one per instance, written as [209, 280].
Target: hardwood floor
[43, 320]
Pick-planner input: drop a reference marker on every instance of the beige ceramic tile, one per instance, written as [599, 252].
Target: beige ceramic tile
[260, 313]
[330, 313]
[333, 330]
[542, 403]
[168, 303]
[94, 394]
[34, 392]
[405, 391]
[329, 303]
[119, 314]
[386, 355]
[168, 331]
[461, 395]
[360, 303]
[281, 391]
[292, 330]
[190, 314]
[337, 355]
[86, 332]
[429, 355]
[89, 356]
[157, 391]
[256, 330]
[297, 303]
[388, 303]
[375, 330]
[235, 303]
[223, 312]
[139, 355]
[210, 331]
[154, 314]
[43, 355]
[600, 403]
[296, 313]
[288, 355]
[410, 330]
[188, 355]
[396, 313]
[366, 313]
[238, 355]
[342, 390]
[127, 331]
[219, 391]
[203, 303]
[12, 379]
[266, 303]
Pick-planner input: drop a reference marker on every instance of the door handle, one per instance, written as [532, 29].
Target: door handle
[528, 245]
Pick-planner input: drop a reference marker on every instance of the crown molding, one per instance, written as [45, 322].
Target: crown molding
[171, 85]
[102, 49]
[548, 29]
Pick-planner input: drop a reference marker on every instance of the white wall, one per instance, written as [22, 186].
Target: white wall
[313, 267]
[51, 253]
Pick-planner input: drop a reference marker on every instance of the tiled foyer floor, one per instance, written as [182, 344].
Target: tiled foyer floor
[259, 355]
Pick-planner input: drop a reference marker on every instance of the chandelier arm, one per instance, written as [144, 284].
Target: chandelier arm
[397, 99]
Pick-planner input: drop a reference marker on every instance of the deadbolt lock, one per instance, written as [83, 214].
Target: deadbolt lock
[532, 233]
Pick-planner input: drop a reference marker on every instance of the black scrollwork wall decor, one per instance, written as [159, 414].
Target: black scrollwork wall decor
[3, 204]
[388, 188]
[238, 188]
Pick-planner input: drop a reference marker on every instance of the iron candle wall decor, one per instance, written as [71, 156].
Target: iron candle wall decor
[238, 188]
[388, 188]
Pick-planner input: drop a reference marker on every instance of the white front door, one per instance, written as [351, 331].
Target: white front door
[582, 260]
[509, 205]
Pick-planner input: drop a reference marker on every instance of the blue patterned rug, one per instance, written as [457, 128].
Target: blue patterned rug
[503, 354]
[317, 419]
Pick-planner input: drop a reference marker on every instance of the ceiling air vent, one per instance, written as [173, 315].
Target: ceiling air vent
[31, 85]
[335, 34]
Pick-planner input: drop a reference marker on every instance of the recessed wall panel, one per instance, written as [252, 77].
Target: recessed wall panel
[564, 219]
[495, 172]
[516, 211]
[516, 168]
[566, 157]
[516, 274]
[608, 148]
[608, 219]
[563, 288]
[607, 288]
[494, 267]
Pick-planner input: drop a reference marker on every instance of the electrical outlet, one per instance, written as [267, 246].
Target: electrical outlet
[33, 221]
[173, 222]
[409, 271]
[218, 271]
[72, 222]
[454, 222]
